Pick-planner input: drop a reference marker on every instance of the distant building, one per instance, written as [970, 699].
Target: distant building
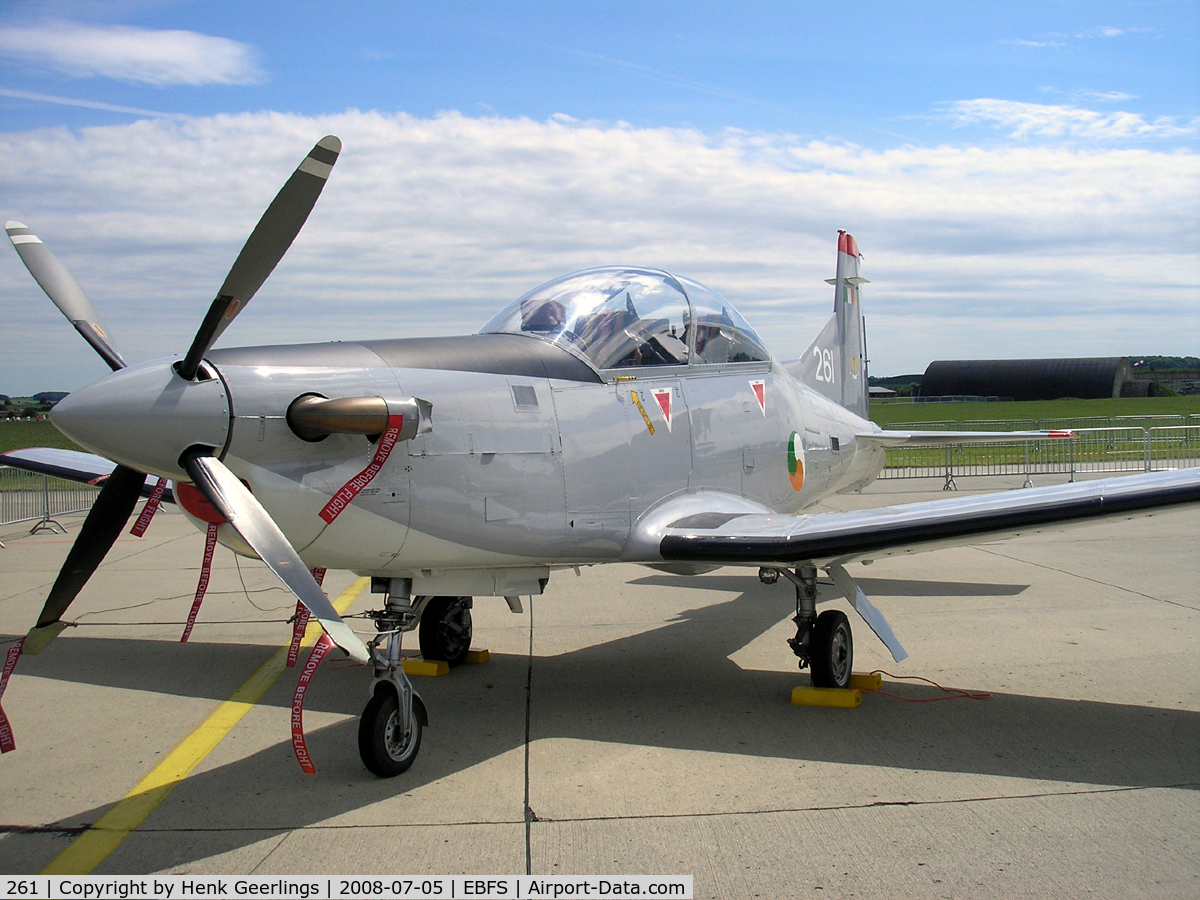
[1149, 382]
[1029, 379]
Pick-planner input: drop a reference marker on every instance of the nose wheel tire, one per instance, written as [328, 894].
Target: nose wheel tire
[831, 650]
[445, 631]
[386, 749]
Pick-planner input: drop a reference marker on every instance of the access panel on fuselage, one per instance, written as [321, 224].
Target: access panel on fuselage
[595, 429]
[486, 482]
[661, 449]
[625, 446]
[735, 431]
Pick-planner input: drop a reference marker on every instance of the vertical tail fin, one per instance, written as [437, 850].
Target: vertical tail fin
[835, 363]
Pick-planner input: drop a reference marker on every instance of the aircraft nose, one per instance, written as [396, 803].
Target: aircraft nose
[145, 416]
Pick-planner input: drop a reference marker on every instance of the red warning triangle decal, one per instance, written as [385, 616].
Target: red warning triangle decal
[760, 394]
[664, 403]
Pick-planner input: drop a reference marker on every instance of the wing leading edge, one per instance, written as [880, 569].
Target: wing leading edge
[938, 438]
[86, 468]
[773, 539]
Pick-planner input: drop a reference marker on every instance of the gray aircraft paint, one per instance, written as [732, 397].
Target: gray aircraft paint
[556, 482]
[534, 459]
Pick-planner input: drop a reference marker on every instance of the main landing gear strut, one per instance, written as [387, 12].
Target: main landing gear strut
[823, 643]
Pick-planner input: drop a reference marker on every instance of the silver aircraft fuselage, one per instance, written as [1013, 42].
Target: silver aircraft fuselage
[535, 459]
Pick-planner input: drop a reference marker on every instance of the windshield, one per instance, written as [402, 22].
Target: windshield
[616, 317]
[624, 317]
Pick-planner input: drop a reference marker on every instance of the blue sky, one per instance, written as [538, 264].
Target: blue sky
[872, 73]
[1021, 177]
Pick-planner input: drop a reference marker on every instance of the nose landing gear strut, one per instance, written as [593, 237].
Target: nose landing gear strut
[389, 732]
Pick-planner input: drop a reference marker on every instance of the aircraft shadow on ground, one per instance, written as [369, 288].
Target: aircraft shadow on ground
[670, 687]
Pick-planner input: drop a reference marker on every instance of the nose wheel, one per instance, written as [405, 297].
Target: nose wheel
[387, 744]
[389, 732]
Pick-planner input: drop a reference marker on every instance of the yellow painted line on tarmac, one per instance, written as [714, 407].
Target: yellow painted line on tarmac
[92, 847]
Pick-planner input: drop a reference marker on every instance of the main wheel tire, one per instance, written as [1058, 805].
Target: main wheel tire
[383, 749]
[445, 631]
[831, 650]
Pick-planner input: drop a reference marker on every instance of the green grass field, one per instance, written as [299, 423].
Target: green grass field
[17, 435]
[1114, 450]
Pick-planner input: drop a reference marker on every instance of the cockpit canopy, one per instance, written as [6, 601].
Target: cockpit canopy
[624, 317]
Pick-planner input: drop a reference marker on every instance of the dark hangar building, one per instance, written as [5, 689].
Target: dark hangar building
[1028, 379]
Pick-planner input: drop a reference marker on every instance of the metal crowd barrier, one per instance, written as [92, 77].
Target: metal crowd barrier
[1073, 422]
[26, 497]
[1125, 449]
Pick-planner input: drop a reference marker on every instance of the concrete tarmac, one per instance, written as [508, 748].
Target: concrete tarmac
[656, 736]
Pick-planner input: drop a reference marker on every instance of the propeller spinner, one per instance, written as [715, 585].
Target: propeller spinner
[169, 419]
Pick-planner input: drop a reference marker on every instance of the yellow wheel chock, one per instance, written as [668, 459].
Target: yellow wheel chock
[840, 698]
[432, 668]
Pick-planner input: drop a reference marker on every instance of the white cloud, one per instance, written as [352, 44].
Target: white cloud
[1048, 42]
[1061, 39]
[1105, 96]
[428, 226]
[1043, 120]
[1111, 31]
[86, 104]
[131, 54]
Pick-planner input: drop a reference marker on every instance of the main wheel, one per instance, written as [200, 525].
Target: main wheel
[384, 748]
[445, 631]
[831, 650]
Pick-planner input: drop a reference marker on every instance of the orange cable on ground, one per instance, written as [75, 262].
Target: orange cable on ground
[950, 693]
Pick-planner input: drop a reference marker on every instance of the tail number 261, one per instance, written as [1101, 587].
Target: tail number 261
[824, 364]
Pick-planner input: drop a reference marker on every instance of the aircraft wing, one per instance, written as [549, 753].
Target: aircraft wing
[939, 438]
[770, 539]
[86, 468]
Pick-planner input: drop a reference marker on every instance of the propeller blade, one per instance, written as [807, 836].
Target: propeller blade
[101, 528]
[64, 290]
[265, 247]
[258, 529]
